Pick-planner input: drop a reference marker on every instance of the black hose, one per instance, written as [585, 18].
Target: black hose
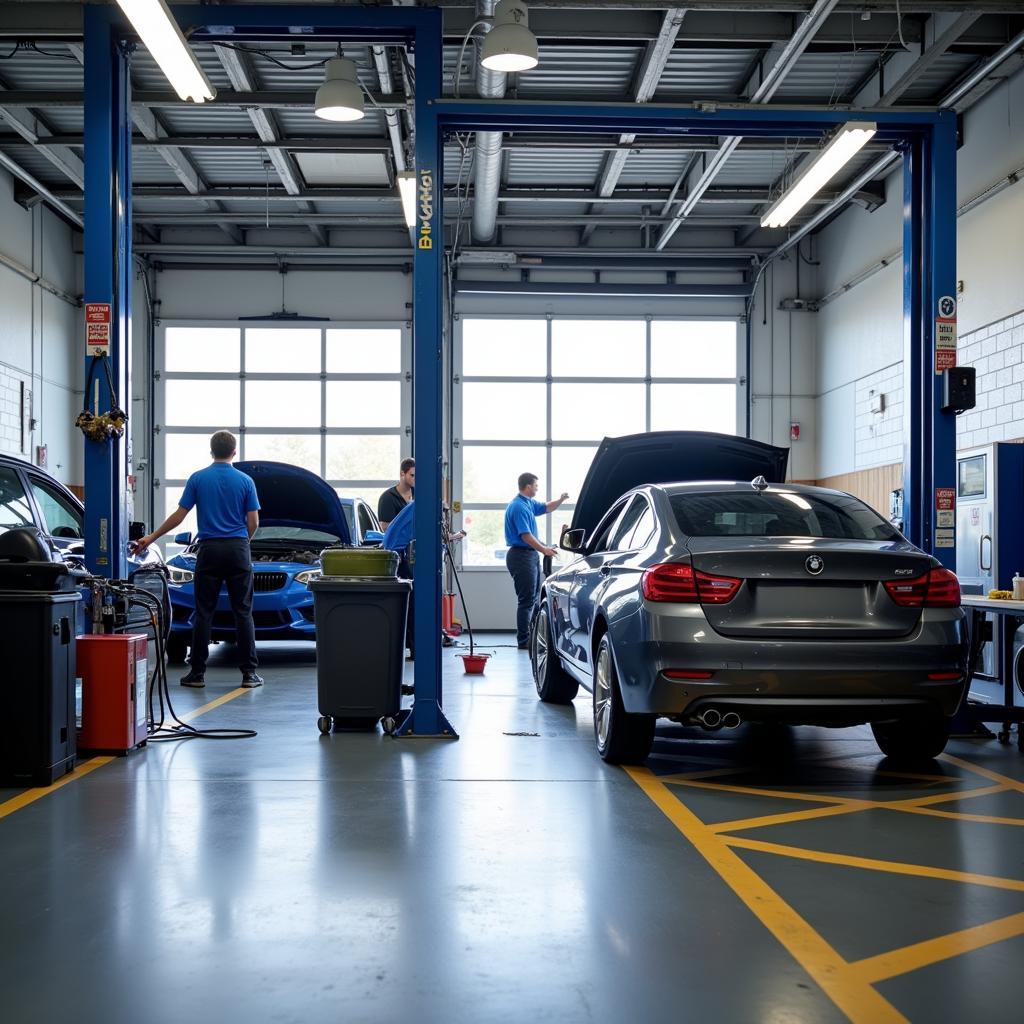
[458, 586]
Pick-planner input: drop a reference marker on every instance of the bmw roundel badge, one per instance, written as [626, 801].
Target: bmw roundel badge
[814, 565]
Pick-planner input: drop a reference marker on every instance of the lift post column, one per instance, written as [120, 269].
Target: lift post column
[108, 279]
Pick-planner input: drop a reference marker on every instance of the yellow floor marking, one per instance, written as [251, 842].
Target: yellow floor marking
[941, 798]
[984, 819]
[923, 954]
[780, 793]
[231, 695]
[867, 863]
[856, 998]
[784, 819]
[919, 777]
[707, 773]
[1005, 780]
[30, 796]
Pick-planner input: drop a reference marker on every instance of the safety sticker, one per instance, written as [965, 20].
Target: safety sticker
[945, 344]
[97, 328]
[945, 538]
[945, 499]
[945, 519]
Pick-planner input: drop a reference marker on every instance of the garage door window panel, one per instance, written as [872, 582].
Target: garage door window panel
[202, 350]
[693, 348]
[203, 403]
[504, 348]
[364, 350]
[277, 350]
[694, 407]
[294, 449]
[363, 403]
[490, 472]
[363, 457]
[588, 412]
[504, 412]
[485, 537]
[598, 348]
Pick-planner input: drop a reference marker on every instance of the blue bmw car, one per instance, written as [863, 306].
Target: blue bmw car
[301, 515]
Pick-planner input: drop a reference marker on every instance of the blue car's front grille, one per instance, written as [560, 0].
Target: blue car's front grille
[263, 582]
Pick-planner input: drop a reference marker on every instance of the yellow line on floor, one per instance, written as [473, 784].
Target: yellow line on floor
[940, 798]
[1005, 780]
[857, 999]
[984, 819]
[30, 796]
[923, 954]
[785, 819]
[223, 699]
[814, 798]
[707, 773]
[867, 863]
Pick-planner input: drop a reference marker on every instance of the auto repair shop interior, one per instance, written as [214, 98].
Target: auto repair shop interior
[731, 733]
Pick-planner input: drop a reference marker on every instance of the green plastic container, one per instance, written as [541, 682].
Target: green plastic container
[359, 562]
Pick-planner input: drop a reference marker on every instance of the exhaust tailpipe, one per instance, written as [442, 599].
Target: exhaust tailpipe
[730, 720]
[711, 718]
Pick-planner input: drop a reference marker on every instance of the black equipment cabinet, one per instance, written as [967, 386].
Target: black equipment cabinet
[37, 686]
[360, 649]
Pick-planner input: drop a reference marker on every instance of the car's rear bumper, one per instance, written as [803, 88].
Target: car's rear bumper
[804, 681]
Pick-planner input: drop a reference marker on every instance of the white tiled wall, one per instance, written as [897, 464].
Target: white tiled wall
[878, 439]
[14, 433]
[997, 352]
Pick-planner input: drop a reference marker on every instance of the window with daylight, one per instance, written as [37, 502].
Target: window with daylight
[539, 395]
[330, 398]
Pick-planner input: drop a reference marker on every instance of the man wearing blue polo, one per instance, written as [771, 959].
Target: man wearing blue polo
[523, 548]
[228, 513]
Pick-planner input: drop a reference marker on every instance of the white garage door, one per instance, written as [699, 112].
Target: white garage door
[333, 398]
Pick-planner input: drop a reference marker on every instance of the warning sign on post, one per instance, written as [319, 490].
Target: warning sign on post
[97, 328]
[945, 499]
[945, 334]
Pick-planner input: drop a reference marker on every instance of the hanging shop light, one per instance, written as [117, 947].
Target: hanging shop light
[340, 98]
[842, 147]
[510, 45]
[160, 35]
[407, 190]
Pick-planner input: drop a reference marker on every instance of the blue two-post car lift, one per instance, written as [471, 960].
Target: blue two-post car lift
[927, 139]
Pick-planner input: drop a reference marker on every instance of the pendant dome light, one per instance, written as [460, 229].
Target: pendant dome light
[340, 98]
[510, 45]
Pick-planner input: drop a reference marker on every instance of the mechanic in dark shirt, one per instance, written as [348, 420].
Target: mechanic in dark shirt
[394, 499]
[228, 511]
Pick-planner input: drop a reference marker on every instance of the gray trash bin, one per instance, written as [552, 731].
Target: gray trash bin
[360, 649]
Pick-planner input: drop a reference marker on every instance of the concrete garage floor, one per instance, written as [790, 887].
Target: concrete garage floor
[508, 877]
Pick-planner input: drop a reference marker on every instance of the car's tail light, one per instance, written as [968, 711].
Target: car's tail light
[944, 676]
[680, 583]
[937, 588]
[687, 673]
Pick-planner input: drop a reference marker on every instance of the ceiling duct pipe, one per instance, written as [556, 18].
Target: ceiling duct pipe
[490, 85]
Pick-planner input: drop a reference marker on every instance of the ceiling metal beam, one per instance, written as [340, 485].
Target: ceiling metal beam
[356, 144]
[34, 183]
[28, 125]
[238, 67]
[267, 99]
[645, 84]
[184, 170]
[762, 94]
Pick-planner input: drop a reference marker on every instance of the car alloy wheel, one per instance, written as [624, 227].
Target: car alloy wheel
[603, 697]
[540, 645]
[554, 684]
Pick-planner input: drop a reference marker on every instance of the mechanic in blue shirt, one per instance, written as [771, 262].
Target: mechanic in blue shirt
[398, 537]
[228, 512]
[523, 548]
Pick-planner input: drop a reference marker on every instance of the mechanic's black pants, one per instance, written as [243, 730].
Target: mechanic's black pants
[223, 561]
[524, 566]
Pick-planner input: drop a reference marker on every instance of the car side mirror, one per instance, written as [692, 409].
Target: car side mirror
[183, 538]
[373, 537]
[572, 540]
[136, 531]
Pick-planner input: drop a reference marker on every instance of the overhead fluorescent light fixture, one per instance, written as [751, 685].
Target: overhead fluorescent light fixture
[510, 45]
[407, 190]
[842, 147]
[160, 35]
[340, 98]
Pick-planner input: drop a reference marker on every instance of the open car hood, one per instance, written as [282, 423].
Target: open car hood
[671, 456]
[294, 497]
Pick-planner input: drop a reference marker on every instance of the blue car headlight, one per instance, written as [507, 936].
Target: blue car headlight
[179, 576]
[308, 576]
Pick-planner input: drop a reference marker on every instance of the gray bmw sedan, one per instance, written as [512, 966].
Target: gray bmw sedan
[719, 601]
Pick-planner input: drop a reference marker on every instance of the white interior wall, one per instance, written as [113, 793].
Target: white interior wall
[860, 334]
[38, 339]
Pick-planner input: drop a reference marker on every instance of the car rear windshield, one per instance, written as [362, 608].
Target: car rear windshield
[778, 514]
